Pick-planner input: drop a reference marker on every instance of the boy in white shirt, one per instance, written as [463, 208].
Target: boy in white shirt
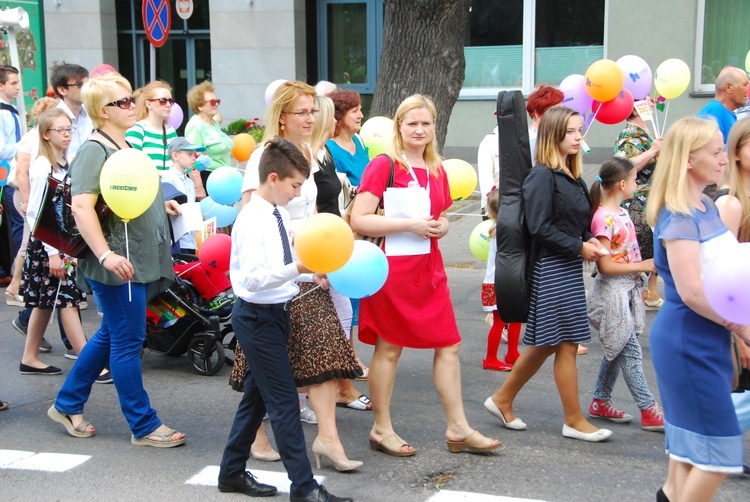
[263, 275]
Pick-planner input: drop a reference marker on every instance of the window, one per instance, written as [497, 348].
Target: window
[722, 39]
[522, 43]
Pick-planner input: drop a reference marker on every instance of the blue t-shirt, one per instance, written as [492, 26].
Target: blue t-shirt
[351, 165]
[725, 117]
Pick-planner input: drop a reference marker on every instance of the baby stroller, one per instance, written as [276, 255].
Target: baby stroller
[177, 323]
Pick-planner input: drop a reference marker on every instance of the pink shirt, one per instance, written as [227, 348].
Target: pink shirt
[619, 229]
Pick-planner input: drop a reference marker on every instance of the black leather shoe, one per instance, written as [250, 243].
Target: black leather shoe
[320, 494]
[246, 483]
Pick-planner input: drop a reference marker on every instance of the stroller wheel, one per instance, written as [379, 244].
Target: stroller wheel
[206, 355]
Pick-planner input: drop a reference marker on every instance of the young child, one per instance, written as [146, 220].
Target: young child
[210, 284]
[615, 304]
[489, 303]
[263, 274]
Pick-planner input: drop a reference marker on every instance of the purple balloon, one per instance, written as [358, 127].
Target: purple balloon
[725, 283]
[576, 97]
[637, 76]
[272, 88]
[175, 116]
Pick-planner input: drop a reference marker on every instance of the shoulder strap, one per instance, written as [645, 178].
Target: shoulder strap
[10, 108]
[164, 138]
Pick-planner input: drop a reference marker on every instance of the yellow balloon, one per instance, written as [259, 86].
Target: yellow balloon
[324, 243]
[129, 183]
[376, 134]
[462, 178]
[747, 62]
[604, 80]
[672, 77]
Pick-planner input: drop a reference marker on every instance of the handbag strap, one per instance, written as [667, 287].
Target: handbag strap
[391, 175]
[164, 139]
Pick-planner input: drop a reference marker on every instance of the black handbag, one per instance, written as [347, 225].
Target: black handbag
[55, 225]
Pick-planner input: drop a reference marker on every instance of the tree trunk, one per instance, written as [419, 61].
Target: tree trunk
[423, 53]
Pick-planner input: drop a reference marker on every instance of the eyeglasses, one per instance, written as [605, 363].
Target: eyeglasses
[124, 103]
[64, 131]
[74, 84]
[214, 102]
[163, 101]
[304, 113]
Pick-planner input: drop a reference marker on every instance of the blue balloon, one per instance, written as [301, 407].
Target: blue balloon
[364, 274]
[225, 215]
[224, 185]
[202, 162]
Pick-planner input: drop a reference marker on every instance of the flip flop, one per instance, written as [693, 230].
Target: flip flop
[76, 432]
[362, 403]
[392, 445]
[164, 442]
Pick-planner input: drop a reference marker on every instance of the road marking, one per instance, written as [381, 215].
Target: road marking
[30, 461]
[208, 476]
[451, 496]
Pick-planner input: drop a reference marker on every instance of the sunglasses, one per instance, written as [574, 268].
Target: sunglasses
[74, 84]
[163, 101]
[214, 102]
[124, 103]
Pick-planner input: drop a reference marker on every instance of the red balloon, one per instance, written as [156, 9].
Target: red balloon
[615, 110]
[215, 252]
[102, 68]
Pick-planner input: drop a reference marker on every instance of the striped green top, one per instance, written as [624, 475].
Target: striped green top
[153, 142]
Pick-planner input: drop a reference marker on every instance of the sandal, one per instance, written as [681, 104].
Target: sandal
[392, 445]
[654, 304]
[14, 300]
[164, 441]
[364, 376]
[362, 403]
[4, 405]
[77, 432]
[308, 416]
[475, 442]
[582, 350]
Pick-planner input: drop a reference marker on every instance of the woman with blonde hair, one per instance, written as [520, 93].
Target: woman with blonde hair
[690, 342]
[122, 285]
[204, 129]
[416, 289]
[558, 213]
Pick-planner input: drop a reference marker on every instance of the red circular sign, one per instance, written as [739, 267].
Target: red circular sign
[157, 19]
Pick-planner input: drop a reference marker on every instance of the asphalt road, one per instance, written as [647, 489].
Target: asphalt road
[535, 464]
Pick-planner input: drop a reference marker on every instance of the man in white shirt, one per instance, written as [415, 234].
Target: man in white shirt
[67, 80]
[10, 134]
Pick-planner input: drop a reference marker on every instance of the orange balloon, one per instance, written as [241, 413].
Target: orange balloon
[324, 243]
[244, 145]
[604, 80]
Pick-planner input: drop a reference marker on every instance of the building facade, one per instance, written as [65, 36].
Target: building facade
[242, 45]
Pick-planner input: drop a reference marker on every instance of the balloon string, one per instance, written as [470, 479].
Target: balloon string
[586, 131]
[305, 293]
[654, 122]
[197, 264]
[666, 113]
[127, 255]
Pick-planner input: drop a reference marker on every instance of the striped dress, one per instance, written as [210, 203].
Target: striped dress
[154, 142]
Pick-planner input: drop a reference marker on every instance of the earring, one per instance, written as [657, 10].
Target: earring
[282, 127]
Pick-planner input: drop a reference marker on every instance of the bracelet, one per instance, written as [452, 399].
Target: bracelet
[104, 256]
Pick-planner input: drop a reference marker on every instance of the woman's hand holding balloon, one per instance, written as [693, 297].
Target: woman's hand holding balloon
[120, 266]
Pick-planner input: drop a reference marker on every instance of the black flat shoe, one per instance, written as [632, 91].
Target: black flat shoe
[320, 494]
[247, 484]
[30, 370]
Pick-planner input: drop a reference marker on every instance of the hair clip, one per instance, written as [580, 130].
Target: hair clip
[599, 179]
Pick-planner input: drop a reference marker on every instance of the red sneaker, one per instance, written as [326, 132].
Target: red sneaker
[604, 409]
[652, 418]
[496, 365]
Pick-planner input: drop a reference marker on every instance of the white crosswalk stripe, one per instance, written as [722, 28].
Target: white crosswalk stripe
[31, 461]
[451, 496]
[208, 476]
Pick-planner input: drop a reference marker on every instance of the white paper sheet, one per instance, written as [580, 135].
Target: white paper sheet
[190, 220]
[406, 203]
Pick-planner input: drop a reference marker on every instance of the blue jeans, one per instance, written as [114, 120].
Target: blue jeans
[118, 343]
[263, 333]
[630, 360]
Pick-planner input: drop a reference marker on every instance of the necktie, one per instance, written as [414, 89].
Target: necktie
[284, 237]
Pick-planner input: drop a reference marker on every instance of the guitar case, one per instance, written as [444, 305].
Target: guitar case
[514, 246]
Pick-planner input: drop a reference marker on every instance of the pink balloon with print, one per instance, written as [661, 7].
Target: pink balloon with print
[637, 75]
[176, 116]
[573, 88]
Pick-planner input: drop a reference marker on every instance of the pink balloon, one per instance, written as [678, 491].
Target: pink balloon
[573, 88]
[102, 68]
[637, 75]
[615, 110]
[175, 116]
[272, 88]
[215, 252]
[725, 281]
